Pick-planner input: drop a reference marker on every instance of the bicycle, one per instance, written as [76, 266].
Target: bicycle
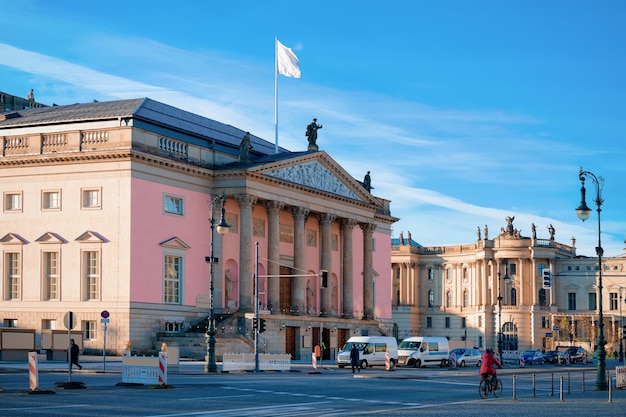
[490, 384]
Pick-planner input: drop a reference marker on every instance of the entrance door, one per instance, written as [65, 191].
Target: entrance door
[290, 342]
[285, 289]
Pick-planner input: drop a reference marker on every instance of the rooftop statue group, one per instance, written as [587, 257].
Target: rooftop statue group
[509, 230]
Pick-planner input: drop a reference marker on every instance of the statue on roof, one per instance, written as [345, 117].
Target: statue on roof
[551, 231]
[367, 182]
[244, 149]
[311, 134]
[401, 239]
[486, 233]
[409, 238]
[478, 232]
[534, 230]
[31, 95]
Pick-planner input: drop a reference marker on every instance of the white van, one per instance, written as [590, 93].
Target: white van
[372, 351]
[420, 351]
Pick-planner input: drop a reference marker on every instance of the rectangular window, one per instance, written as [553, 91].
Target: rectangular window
[613, 301]
[48, 324]
[447, 322]
[89, 330]
[431, 273]
[545, 322]
[51, 200]
[13, 276]
[429, 322]
[512, 269]
[571, 301]
[463, 322]
[173, 205]
[13, 201]
[172, 279]
[91, 198]
[51, 275]
[12, 323]
[593, 305]
[91, 272]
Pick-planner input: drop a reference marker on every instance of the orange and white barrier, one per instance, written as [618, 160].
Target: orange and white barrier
[314, 360]
[33, 371]
[453, 360]
[163, 368]
[620, 376]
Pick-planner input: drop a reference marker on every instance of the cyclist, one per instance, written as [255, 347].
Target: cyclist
[486, 368]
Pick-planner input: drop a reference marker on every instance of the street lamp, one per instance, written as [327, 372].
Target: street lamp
[222, 229]
[583, 214]
[506, 277]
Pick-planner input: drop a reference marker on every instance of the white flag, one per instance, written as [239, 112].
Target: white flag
[287, 61]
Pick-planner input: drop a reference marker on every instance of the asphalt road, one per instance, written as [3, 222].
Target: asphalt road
[301, 392]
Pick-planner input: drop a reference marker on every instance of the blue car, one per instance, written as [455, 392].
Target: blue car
[532, 357]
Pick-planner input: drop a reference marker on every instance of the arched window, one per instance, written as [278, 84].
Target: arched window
[449, 299]
[465, 298]
[509, 336]
[431, 298]
[513, 296]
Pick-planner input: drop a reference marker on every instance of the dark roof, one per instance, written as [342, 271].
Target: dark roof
[396, 242]
[143, 109]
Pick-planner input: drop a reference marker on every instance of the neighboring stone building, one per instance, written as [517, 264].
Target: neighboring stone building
[453, 291]
[10, 103]
[106, 206]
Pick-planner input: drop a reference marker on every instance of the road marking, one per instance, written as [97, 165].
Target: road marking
[46, 408]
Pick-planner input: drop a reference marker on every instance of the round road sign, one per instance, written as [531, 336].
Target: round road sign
[104, 314]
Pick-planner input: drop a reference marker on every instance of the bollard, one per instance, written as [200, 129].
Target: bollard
[610, 390]
[33, 370]
[552, 394]
[163, 367]
[583, 382]
[561, 390]
[534, 387]
[569, 391]
[314, 360]
[387, 364]
[514, 387]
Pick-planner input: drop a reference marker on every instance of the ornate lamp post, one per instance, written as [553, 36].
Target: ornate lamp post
[222, 229]
[583, 214]
[506, 277]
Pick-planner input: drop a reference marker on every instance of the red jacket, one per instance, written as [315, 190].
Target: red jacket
[487, 366]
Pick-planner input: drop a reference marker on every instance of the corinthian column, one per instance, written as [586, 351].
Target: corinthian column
[348, 268]
[326, 222]
[298, 291]
[368, 271]
[246, 263]
[273, 254]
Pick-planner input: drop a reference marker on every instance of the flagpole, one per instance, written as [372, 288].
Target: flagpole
[276, 94]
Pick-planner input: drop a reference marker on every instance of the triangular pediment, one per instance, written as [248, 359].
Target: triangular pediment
[91, 237]
[50, 237]
[13, 239]
[320, 172]
[174, 243]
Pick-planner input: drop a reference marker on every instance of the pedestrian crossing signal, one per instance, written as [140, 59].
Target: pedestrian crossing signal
[261, 325]
[547, 279]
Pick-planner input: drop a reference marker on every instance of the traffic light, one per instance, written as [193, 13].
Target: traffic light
[324, 278]
[261, 325]
[547, 279]
[255, 323]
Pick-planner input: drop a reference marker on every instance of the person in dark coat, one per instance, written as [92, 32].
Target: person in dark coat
[74, 350]
[355, 361]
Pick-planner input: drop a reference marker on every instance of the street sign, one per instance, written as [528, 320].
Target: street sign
[104, 314]
[249, 316]
[69, 320]
[104, 321]
[556, 328]
[548, 334]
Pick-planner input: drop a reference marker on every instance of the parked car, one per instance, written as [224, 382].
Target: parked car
[554, 357]
[532, 357]
[576, 354]
[466, 357]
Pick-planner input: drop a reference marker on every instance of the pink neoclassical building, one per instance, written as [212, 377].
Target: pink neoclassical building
[108, 206]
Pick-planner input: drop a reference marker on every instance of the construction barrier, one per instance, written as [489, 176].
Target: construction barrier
[33, 371]
[142, 370]
[314, 361]
[620, 376]
[246, 362]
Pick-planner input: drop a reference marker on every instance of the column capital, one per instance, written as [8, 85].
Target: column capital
[274, 207]
[299, 213]
[347, 224]
[368, 227]
[327, 218]
[245, 200]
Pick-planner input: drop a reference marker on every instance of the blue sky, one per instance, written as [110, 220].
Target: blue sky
[465, 112]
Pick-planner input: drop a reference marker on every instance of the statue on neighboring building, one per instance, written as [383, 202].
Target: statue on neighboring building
[311, 134]
[534, 229]
[478, 232]
[401, 238]
[367, 182]
[31, 95]
[244, 149]
[509, 225]
[409, 238]
[551, 231]
[486, 233]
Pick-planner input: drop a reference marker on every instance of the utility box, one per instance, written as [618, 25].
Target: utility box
[56, 343]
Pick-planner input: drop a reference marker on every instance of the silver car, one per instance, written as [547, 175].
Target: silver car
[466, 356]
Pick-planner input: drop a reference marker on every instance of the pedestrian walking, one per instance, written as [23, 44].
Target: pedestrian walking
[355, 361]
[74, 350]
